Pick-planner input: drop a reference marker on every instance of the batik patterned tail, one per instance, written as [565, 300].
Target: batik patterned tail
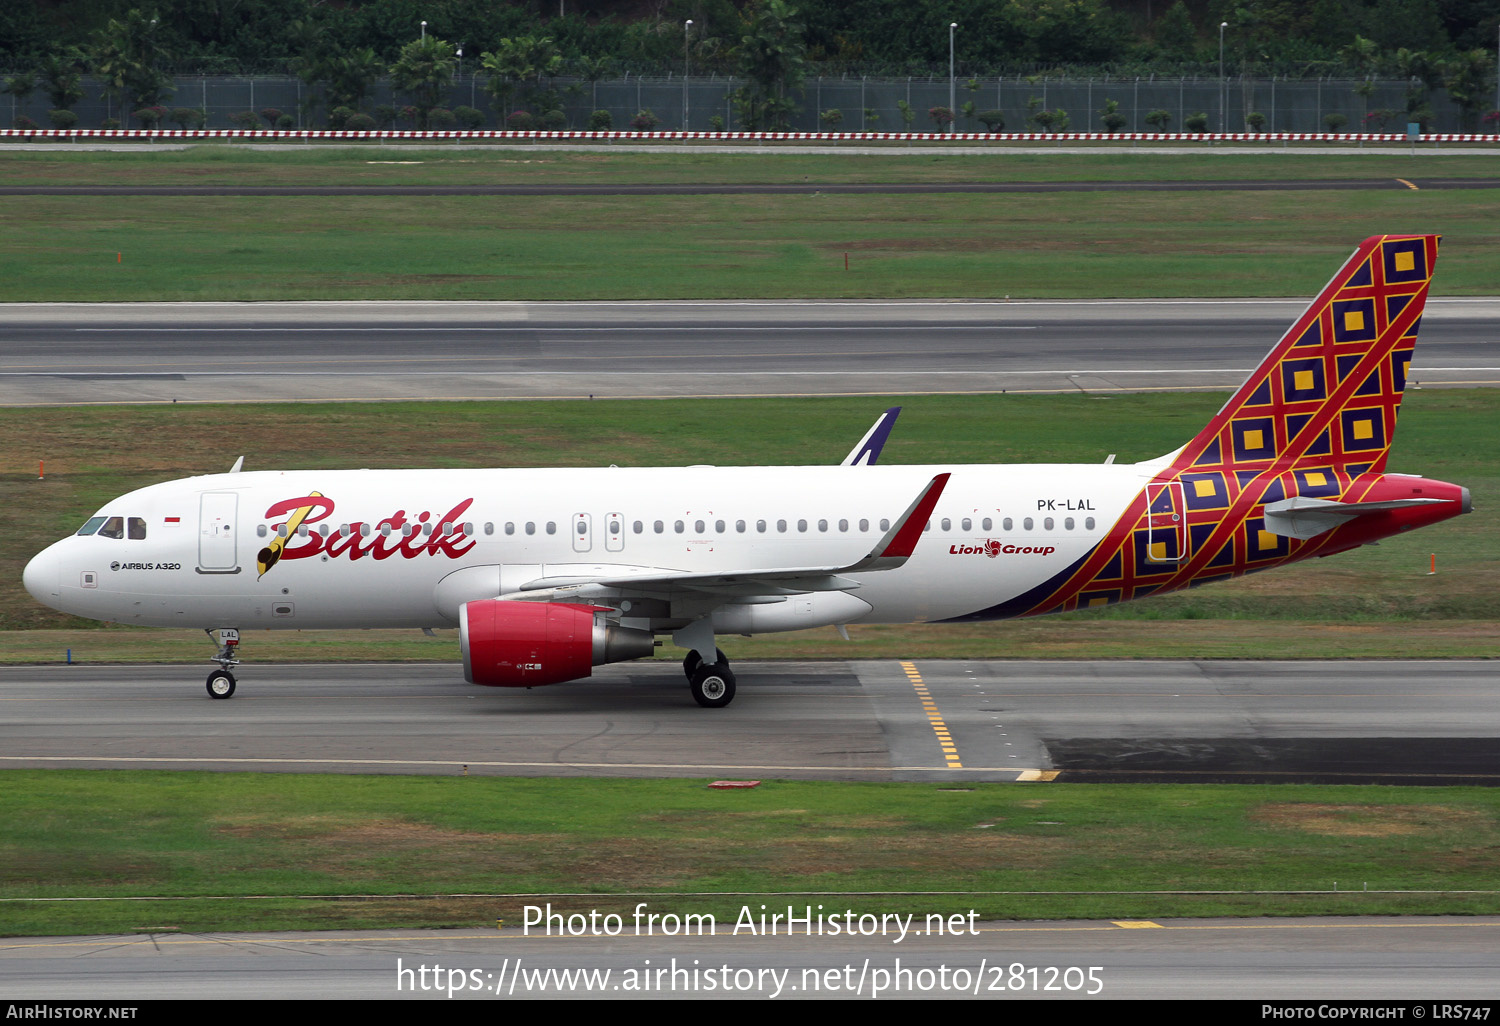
[1330, 390]
[1313, 422]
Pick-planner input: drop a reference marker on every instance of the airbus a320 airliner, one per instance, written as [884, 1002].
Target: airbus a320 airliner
[548, 573]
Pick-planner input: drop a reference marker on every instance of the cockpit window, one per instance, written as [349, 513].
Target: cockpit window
[137, 528]
[91, 526]
[114, 527]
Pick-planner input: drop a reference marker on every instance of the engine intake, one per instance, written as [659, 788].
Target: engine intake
[523, 644]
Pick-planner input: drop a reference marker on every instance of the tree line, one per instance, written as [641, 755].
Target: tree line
[133, 49]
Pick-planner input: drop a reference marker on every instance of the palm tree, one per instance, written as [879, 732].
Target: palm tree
[352, 77]
[21, 87]
[1420, 70]
[1363, 55]
[1466, 77]
[425, 72]
[772, 55]
[592, 69]
[517, 62]
[61, 78]
[126, 55]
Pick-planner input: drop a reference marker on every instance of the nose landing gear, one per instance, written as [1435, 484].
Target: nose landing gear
[220, 684]
[221, 681]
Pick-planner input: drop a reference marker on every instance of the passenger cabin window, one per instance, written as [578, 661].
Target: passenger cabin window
[531, 527]
[90, 526]
[1008, 523]
[885, 525]
[260, 530]
[1088, 523]
[987, 523]
[864, 525]
[551, 527]
[697, 527]
[510, 527]
[968, 525]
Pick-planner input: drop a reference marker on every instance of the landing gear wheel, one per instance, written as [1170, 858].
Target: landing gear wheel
[694, 660]
[712, 686]
[220, 684]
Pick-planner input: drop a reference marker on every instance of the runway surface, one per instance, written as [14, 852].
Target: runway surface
[761, 188]
[1351, 722]
[1427, 959]
[234, 352]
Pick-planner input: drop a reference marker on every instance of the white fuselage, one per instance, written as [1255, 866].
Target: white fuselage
[361, 557]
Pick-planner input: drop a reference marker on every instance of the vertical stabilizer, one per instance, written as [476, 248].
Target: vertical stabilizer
[1329, 391]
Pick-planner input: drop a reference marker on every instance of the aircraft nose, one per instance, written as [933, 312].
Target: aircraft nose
[42, 576]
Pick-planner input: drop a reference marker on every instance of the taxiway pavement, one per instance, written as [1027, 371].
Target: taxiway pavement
[1431, 722]
[54, 354]
[1410, 959]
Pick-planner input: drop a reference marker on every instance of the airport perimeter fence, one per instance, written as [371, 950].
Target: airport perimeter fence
[231, 135]
[863, 104]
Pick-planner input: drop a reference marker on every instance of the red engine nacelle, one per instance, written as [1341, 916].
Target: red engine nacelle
[523, 644]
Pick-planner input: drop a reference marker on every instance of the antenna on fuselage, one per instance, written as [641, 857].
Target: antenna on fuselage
[237, 465]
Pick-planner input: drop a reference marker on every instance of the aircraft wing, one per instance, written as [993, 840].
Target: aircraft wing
[867, 451]
[892, 550]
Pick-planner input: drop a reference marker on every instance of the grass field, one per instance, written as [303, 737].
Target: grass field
[396, 846]
[88, 248]
[403, 164]
[1377, 601]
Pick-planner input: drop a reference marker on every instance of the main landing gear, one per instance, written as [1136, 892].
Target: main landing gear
[221, 681]
[712, 684]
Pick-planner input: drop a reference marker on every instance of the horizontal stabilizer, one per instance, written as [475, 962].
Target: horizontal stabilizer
[1304, 517]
